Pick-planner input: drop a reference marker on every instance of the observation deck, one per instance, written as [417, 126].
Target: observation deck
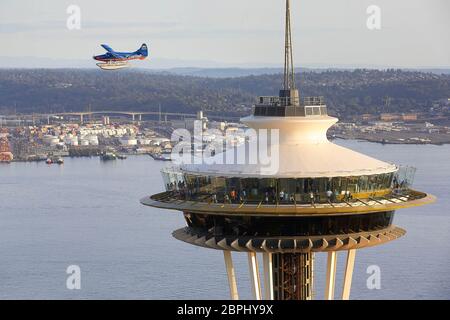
[249, 226]
[380, 201]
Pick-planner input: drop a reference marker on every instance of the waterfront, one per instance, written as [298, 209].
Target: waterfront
[87, 213]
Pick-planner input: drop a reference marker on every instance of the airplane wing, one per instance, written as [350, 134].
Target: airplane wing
[110, 50]
[107, 48]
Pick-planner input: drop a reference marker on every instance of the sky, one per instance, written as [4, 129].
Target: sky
[228, 33]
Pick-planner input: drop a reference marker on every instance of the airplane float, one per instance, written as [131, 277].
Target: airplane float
[113, 60]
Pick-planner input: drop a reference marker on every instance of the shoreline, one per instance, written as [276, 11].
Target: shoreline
[72, 157]
[337, 136]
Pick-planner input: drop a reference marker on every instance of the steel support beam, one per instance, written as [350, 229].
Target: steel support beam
[331, 275]
[254, 275]
[348, 274]
[231, 275]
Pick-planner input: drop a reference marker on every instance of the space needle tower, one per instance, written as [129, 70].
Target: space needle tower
[322, 199]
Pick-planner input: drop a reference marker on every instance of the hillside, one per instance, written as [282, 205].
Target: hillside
[346, 92]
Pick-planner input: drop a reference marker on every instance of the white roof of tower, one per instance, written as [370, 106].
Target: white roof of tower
[303, 152]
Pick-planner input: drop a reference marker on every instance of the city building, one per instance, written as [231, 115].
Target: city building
[389, 117]
[409, 117]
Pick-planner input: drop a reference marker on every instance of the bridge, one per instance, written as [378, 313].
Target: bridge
[133, 115]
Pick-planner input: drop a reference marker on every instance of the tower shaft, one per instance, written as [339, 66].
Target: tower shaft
[293, 276]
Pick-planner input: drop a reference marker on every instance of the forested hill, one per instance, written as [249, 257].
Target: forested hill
[346, 92]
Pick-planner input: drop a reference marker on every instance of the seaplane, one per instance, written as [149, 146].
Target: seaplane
[113, 60]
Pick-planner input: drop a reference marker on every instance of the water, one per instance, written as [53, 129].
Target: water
[87, 213]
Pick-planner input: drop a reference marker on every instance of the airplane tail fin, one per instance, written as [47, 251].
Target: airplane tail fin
[143, 50]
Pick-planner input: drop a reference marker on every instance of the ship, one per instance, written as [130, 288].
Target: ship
[6, 155]
[164, 155]
[108, 155]
[52, 159]
[161, 156]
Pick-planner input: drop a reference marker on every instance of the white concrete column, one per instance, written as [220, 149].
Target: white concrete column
[254, 275]
[349, 266]
[231, 275]
[331, 275]
[268, 276]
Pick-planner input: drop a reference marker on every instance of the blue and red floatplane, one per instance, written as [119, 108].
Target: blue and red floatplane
[113, 60]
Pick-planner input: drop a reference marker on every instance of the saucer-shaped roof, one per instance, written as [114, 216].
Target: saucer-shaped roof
[302, 151]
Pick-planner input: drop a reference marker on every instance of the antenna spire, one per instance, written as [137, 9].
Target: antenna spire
[289, 93]
[289, 75]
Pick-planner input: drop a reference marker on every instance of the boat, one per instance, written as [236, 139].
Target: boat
[166, 154]
[121, 157]
[6, 157]
[54, 159]
[5, 152]
[161, 156]
[108, 155]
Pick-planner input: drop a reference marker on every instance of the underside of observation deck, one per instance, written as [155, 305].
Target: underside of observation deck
[294, 244]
